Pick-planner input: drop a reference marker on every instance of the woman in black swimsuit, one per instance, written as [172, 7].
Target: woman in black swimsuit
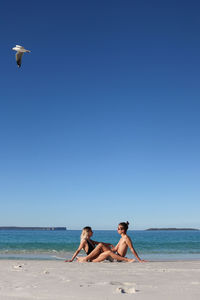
[88, 246]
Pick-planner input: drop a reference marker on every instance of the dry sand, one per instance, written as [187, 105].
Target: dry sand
[58, 280]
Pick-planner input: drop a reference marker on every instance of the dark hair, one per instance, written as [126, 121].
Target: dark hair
[124, 225]
[87, 228]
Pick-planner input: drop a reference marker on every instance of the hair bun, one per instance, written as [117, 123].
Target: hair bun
[127, 222]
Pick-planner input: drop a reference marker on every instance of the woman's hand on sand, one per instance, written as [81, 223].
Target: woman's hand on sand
[143, 260]
[68, 260]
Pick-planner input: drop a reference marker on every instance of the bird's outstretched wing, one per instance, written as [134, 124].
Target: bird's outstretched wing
[19, 58]
[18, 46]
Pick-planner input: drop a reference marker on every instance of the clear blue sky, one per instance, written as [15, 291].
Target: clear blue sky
[102, 122]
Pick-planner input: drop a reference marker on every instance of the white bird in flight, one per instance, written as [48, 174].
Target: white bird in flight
[20, 51]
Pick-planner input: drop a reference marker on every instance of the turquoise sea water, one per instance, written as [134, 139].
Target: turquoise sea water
[151, 245]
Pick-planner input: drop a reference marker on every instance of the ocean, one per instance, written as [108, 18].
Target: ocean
[60, 245]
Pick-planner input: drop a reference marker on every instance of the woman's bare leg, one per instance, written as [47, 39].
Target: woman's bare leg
[99, 248]
[103, 256]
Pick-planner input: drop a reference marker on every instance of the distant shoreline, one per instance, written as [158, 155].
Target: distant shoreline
[65, 228]
[171, 229]
[31, 228]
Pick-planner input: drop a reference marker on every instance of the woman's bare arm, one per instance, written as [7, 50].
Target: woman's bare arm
[106, 244]
[130, 245]
[115, 248]
[94, 242]
[81, 246]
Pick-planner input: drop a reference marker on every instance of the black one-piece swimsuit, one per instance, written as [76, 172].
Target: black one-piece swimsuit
[90, 247]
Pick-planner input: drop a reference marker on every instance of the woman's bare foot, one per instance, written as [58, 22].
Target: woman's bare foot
[81, 259]
[131, 260]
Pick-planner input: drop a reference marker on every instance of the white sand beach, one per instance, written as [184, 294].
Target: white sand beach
[31, 279]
